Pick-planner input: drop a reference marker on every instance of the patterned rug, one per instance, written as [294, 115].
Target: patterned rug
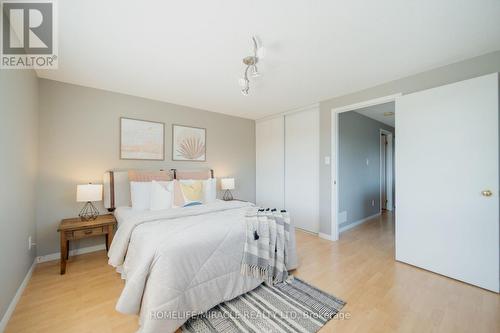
[292, 306]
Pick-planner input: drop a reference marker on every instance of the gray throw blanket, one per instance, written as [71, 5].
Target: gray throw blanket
[266, 245]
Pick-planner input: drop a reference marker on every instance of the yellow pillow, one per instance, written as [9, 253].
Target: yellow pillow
[192, 191]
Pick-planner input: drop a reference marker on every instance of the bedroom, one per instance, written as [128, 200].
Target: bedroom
[122, 97]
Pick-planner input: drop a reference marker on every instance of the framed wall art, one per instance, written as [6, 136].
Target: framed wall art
[142, 140]
[188, 143]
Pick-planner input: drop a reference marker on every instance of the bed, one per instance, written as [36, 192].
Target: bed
[177, 262]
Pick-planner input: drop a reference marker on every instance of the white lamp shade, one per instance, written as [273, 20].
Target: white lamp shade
[88, 192]
[227, 183]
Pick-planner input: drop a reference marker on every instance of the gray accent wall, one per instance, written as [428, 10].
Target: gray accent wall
[18, 167]
[467, 69]
[359, 182]
[79, 141]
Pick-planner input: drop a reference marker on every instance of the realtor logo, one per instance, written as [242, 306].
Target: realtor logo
[28, 34]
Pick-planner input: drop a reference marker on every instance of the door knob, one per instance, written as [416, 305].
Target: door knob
[487, 193]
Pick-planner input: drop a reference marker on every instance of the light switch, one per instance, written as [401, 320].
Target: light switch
[327, 160]
[367, 162]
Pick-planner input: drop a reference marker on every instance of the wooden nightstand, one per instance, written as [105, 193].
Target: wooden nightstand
[75, 228]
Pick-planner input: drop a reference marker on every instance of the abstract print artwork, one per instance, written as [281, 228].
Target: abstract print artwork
[188, 143]
[141, 139]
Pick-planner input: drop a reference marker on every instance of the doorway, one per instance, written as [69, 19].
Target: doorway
[339, 216]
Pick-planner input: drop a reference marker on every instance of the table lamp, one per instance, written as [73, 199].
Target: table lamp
[88, 193]
[228, 185]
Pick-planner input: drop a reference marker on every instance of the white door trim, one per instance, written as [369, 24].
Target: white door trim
[388, 169]
[334, 202]
[371, 102]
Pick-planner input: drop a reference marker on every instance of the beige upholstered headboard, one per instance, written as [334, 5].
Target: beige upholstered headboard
[117, 182]
[193, 174]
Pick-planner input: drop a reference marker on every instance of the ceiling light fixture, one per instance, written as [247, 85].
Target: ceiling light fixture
[388, 114]
[251, 65]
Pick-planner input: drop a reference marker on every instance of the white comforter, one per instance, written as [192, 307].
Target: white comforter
[179, 261]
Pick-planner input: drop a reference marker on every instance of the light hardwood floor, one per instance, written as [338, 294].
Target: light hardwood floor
[382, 295]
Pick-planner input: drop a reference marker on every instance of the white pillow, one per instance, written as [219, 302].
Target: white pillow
[209, 190]
[140, 195]
[161, 195]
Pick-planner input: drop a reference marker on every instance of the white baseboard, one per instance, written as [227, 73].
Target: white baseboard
[40, 259]
[355, 224]
[83, 250]
[17, 297]
[325, 236]
[307, 231]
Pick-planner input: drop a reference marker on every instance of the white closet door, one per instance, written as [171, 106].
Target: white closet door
[447, 159]
[302, 168]
[270, 162]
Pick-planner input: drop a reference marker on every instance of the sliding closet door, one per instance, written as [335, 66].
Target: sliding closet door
[302, 168]
[270, 162]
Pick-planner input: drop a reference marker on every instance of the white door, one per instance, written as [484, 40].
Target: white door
[302, 168]
[270, 162]
[447, 159]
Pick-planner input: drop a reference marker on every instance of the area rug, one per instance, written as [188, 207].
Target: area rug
[291, 306]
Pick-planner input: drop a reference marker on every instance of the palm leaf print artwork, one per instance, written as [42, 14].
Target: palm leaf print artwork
[188, 143]
[191, 148]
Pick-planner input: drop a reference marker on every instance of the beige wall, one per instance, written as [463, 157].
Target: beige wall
[486, 64]
[79, 140]
[18, 167]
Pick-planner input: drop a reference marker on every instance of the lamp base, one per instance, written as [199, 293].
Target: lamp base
[228, 196]
[88, 212]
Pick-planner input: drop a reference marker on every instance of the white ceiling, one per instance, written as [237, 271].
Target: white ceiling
[189, 52]
[377, 112]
